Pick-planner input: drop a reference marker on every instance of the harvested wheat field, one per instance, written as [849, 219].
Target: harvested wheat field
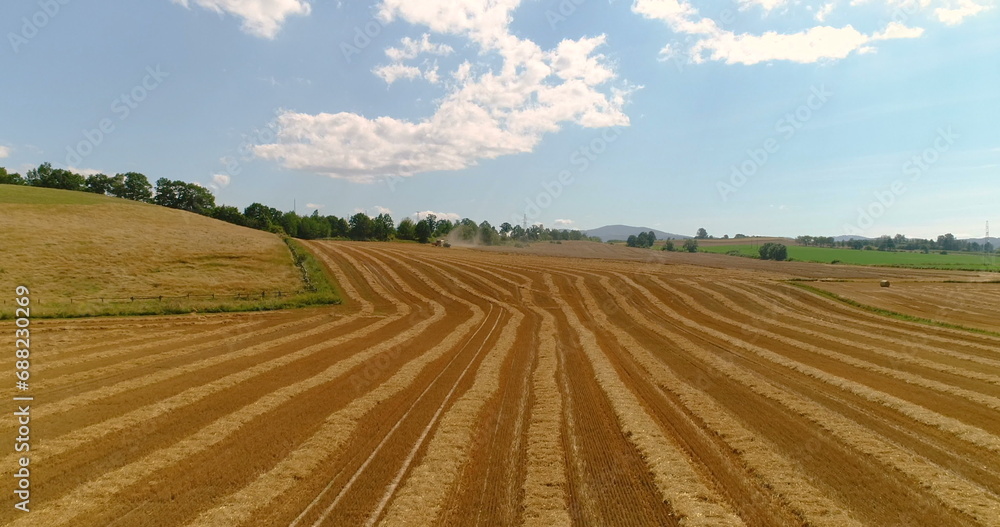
[970, 304]
[464, 387]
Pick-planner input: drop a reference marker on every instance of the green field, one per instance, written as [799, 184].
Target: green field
[933, 260]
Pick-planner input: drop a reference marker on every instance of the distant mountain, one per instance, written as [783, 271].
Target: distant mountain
[622, 232]
[849, 237]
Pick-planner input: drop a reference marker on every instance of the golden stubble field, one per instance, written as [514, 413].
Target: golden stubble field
[464, 387]
[82, 247]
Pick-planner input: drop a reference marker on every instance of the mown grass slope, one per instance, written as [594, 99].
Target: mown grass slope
[77, 252]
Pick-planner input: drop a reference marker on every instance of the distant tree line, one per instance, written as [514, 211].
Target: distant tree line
[360, 226]
[945, 242]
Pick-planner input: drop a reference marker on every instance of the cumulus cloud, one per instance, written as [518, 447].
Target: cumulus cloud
[84, 171]
[4, 151]
[220, 181]
[261, 18]
[766, 5]
[707, 41]
[958, 11]
[382, 210]
[315, 206]
[439, 215]
[825, 11]
[486, 112]
[818, 43]
[564, 223]
[410, 48]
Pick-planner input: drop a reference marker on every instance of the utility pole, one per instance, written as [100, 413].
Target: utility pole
[989, 257]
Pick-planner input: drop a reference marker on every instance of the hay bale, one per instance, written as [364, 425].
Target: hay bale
[884, 283]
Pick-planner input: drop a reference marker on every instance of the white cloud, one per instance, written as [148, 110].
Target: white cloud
[484, 21]
[4, 151]
[411, 48]
[486, 112]
[262, 18]
[314, 206]
[825, 11]
[813, 45]
[767, 5]
[564, 223]
[439, 215]
[807, 46]
[897, 30]
[382, 210]
[220, 181]
[84, 171]
[392, 72]
[953, 16]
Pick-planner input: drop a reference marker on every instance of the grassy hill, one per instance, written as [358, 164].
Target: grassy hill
[87, 254]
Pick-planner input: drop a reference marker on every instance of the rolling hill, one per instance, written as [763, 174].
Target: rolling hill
[621, 232]
[76, 247]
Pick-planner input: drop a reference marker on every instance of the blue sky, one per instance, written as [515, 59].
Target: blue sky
[776, 117]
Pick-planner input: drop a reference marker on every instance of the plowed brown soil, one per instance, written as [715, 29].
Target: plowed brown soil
[576, 384]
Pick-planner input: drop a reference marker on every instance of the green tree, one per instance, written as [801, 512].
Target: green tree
[442, 228]
[642, 240]
[691, 245]
[423, 231]
[136, 187]
[261, 216]
[360, 227]
[313, 227]
[947, 242]
[383, 228]
[668, 246]
[701, 235]
[100, 184]
[48, 177]
[487, 234]
[407, 230]
[632, 241]
[339, 228]
[773, 251]
[10, 179]
[184, 196]
[289, 222]
[229, 214]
